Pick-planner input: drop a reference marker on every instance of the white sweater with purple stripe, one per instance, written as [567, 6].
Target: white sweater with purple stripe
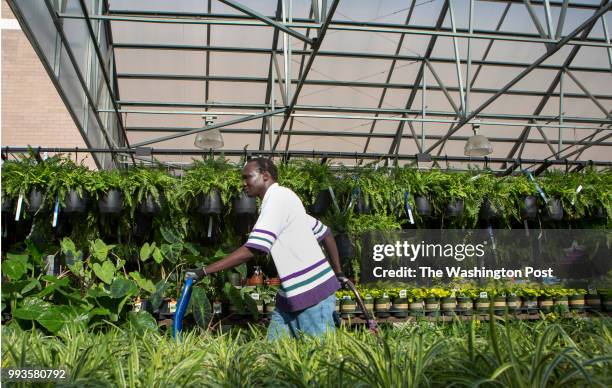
[291, 236]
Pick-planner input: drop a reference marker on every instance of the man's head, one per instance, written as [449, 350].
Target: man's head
[257, 175]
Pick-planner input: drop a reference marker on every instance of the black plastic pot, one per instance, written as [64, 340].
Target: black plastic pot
[454, 208]
[150, 206]
[346, 249]
[243, 204]
[111, 202]
[423, 206]
[210, 203]
[600, 213]
[321, 203]
[529, 207]
[361, 205]
[554, 210]
[36, 199]
[74, 203]
[488, 212]
[7, 204]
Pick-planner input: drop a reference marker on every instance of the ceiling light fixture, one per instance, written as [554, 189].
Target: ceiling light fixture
[477, 145]
[209, 138]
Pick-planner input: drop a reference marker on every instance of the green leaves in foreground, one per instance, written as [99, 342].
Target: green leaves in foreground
[569, 353]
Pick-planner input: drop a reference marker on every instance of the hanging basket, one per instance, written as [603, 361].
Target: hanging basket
[321, 203]
[554, 210]
[600, 213]
[150, 206]
[74, 203]
[245, 205]
[529, 207]
[36, 199]
[111, 202]
[488, 212]
[210, 203]
[423, 206]
[454, 208]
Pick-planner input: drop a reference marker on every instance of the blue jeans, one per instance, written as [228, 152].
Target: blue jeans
[314, 320]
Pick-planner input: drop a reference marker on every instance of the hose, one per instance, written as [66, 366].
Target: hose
[183, 302]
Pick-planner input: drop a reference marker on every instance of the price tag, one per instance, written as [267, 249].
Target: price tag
[408, 208]
[137, 305]
[255, 296]
[484, 294]
[217, 308]
[578, 190]
[403, 293]
[592, 290]
[346, 297]
[172, 306]
[538, 188]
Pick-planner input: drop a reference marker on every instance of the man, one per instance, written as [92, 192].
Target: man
[306, 299]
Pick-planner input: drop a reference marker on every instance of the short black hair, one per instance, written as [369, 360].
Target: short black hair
[265, 164]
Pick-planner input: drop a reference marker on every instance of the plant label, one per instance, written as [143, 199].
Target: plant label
[55, 212]
[255, 296]
[403, 294]
[217, 308]
[346, 297]
[385, 295]
[19, 204]
[484, 295]
[172, 306]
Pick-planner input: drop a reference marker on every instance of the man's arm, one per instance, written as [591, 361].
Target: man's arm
[237, 257]
[329, 242]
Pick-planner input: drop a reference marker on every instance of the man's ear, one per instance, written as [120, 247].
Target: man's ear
[266, 175]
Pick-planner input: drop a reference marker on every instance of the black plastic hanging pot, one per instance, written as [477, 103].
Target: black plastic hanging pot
[362, 206]
[554, 210]
[150, 206]
[488, 212]
[423, 206]
[601, 213]
[454, 208]
[36, 199]
[346, 249]
[529, 207]
[321, 203]
[142, 226]
[210, 203]
[7, 204]
[245, 205]
[75, 203]
[111, 202]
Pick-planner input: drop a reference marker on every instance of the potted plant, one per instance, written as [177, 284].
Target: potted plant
[545, 300]
[560, 300]
[593, 302]
[112, 190]
[483, 302]
[347, 304]
[513, 302]
[209, 184]
[310, 180]
[432, 300]
[606, 299]
[576, 299]
[529, 296]
[465, 300]
[382, 302]
[448, 303]
[399, 299]
[268, 296]
[417, 185]
[71, 183]
[416, 301]
[149, 186]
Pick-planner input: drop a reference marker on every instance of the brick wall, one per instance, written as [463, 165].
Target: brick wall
[32, 111]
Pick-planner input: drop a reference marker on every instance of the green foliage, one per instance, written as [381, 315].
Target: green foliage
[471, 353]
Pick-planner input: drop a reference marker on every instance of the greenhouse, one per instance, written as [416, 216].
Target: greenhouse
[306, 193]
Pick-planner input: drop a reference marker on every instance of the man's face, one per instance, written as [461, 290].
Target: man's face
[252, 180]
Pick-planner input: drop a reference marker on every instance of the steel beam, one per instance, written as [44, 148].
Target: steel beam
[588, 23]
[561, 21]
[361, 26]
[537, 24]
[395, 144]
[308, 154]
[107, 81]
[586, 91]
[347, 54]
[607, 36]
[457, 58]
[267, 20]
[298, 88]
[220, 125]
[352, 84]
[398, 48]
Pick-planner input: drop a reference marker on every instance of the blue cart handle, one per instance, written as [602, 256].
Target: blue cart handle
[177, 325]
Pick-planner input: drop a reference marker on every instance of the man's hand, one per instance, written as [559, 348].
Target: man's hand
[342, 279]
[195, 274]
